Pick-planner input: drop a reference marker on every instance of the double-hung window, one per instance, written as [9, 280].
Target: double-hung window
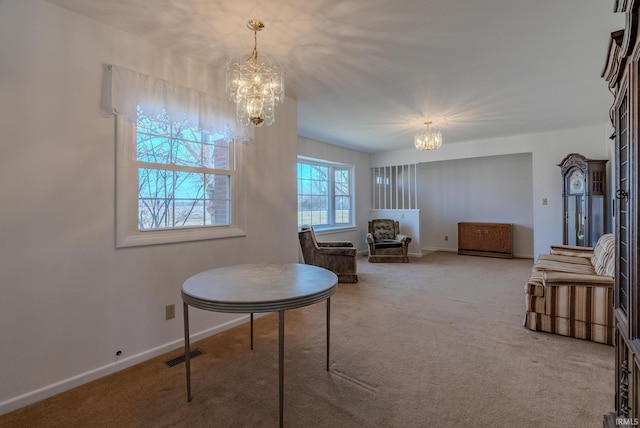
[177, 164]
[184, 175]
[325, 194]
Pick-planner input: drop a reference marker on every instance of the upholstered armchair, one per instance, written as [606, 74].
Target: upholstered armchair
[337, 256]
[385, 242]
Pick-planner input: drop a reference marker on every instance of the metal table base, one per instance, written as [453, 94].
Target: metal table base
[200, 291]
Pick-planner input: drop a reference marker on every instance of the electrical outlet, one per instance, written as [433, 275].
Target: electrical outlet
[169, 311]
[446, 238]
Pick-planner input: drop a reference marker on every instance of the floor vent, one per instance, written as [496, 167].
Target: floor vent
[182, 358]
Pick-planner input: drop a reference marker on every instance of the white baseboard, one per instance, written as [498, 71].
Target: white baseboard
[450, 250]
[522, 256]
[72, 382]
[455, 250]
[366, 253]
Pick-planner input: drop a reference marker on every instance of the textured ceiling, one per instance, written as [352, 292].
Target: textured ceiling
[367, 74]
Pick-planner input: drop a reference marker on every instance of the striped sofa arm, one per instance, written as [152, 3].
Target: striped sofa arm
[577, 305]
[571, 250]
[553, 278]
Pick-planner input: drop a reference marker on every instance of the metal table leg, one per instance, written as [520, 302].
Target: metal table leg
[251, 317]
[328, 329]
[281, 363]
[187, 350]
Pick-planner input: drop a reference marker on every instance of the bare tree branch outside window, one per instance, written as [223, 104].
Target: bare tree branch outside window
[183, 175]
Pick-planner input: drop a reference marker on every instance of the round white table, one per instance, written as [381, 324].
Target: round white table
[255, 288]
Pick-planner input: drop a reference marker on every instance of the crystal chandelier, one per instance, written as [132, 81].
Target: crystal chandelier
[255, 85]
[428, 139]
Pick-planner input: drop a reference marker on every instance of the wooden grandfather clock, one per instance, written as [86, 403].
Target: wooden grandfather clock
[584, 197]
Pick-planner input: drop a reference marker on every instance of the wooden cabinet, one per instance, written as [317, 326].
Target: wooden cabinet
[485, 239]
[622, 73]
[584, 193]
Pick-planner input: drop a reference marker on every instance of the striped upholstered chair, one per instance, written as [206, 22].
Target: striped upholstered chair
[570, 291]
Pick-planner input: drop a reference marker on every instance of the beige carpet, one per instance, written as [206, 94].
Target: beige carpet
[437, 342]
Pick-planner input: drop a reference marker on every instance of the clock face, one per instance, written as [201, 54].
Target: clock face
[576, 183]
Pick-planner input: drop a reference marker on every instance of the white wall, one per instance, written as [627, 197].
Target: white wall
[485, 189]
[362, 170]
[68, 299]
[590, 142]
[547, 150]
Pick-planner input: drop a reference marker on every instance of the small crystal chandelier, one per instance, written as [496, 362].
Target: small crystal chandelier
[256, 87]
[428, 139]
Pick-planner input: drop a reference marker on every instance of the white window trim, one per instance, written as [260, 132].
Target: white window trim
[126, 215]
[334, 226]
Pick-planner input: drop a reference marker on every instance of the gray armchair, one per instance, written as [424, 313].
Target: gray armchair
[385, 242]
[338, 256]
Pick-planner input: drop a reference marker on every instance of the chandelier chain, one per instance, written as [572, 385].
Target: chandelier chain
[255, 84]
[254, 54]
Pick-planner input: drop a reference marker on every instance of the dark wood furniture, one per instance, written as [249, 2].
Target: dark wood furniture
[485, 239]
[622, 72]
[584, 193]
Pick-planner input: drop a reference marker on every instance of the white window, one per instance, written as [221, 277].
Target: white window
[325, 194]
[184, 175]
[176, 179]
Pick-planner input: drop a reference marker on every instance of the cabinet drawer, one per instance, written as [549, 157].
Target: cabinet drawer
[485, 239]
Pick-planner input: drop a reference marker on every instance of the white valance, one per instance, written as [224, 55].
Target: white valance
[130, 89]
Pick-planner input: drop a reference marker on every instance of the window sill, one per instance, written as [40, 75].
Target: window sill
[170, 236]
